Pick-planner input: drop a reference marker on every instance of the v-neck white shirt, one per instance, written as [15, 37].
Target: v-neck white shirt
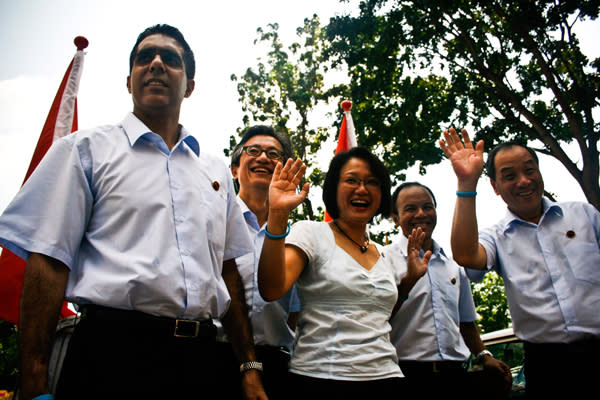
[343, 331]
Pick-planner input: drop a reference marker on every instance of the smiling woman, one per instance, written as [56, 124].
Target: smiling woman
[342, 339]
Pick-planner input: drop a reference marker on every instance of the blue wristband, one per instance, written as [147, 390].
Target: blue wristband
[277, 237]
[466, 194]
[45, 396]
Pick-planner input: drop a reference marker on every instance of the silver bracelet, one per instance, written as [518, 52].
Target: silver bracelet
[248, 365]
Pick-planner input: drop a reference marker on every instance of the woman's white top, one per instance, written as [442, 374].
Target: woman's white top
[343, 331]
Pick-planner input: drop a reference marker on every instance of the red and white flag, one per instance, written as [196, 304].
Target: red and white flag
[346, 138]
[61, 120]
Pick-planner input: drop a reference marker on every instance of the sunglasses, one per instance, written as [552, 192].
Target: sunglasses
[168, 57]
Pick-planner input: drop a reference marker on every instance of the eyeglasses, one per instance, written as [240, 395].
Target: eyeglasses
[168, 57]
[370, 183]
[255, 151]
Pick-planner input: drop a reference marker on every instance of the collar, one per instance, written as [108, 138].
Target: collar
[135, 129]
[249, 216]
[548, 207]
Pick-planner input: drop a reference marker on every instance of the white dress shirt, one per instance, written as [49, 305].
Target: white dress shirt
[551, 271]
[139, 226]
[427, 326]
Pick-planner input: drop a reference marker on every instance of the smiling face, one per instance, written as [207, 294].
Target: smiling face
[519, 182]
[358, 192]
[158, 80]
[256, 172]
[416, 208]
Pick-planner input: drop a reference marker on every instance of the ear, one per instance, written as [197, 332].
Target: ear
[396, 219]
[191, 84]
[234, 171]
[493, 183]
[129, 84]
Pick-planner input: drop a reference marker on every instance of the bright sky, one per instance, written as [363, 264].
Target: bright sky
[37, 46]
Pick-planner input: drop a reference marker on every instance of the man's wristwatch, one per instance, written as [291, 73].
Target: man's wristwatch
[482, 353]
[248, 365]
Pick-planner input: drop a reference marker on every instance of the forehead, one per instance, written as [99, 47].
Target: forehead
[158, 40]
[513, 157]
[355, 165]
[264, 141]
[413, 195]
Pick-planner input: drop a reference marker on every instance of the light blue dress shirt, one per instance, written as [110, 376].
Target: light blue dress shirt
[551, 271]
[427, 326]
[268, 319]
[139, 226]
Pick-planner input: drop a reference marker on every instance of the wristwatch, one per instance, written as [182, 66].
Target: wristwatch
[482, 353]
[248, 365]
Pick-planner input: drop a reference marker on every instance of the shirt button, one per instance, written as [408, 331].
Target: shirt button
[216, 185]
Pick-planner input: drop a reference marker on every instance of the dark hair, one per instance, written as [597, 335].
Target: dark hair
[490, 167]
[171, 31]
[407, 185]
[332, 179]
[257, 130]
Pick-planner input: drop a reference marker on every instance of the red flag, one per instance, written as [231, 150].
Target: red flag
[61, 120]
[346, 138]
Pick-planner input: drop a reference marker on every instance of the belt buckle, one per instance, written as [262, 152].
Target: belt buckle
[184, 326]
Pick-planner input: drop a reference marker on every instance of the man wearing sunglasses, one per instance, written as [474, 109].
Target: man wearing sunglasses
[252, 163]
[141, 230]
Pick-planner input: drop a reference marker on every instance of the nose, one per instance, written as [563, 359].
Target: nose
[523, 180]
[420, 212]
[157, 63]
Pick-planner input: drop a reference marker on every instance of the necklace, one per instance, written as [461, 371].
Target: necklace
[363, 248]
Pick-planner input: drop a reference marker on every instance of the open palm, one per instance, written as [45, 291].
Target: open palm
[283, 194]
[467, 161]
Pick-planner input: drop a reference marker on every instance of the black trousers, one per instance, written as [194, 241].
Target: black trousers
[561, 370]
[274, 376]
[304, 387]
[129, 355]
[440, 379]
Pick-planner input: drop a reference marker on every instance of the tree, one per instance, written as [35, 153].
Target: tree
[284, 90]
[510, 70]
[490, 303]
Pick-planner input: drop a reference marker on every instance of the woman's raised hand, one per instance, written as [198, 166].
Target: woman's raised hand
[283, 193]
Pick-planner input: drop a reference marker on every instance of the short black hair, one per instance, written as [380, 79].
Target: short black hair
[407, 185]
[490, 167]
[332, 178]
[171, 31]
[265, 130]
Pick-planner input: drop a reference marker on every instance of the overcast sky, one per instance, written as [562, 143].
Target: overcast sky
[37, 45]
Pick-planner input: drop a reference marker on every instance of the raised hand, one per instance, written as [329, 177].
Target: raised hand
[283, 196]
[416, 267]
[467, 161]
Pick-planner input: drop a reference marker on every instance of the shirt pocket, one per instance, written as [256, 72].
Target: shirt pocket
[584, 259]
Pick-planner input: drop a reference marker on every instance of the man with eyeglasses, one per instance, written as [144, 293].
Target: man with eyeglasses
[141, 230]
[273, 323]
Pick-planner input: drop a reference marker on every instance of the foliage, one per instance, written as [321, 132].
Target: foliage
[510, 70]
[490, 303]
[284, 90]
[9, 357]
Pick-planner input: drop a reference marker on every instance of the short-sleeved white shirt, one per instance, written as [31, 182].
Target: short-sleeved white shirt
[343, 328]
[551, 271]
[427, 326]
[139, 226]
[268, 319]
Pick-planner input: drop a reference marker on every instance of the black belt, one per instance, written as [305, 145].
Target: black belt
[430, 367]
[163, 326]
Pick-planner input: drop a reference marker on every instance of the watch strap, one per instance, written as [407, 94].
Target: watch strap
[248, 365]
